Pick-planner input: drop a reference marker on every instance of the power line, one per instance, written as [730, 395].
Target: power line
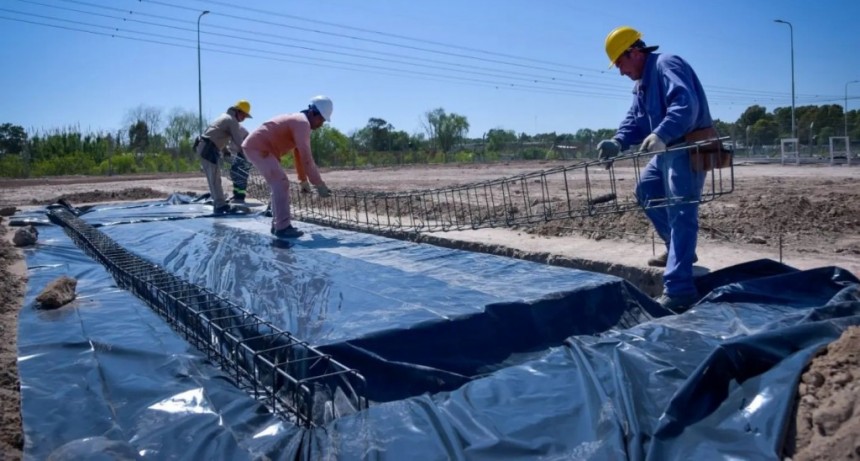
[353, 37]
[716, 96]
[723, 89]
[402, 37]
[362, 68]
[455, 67]
[388, 34]
[481, 71]
[496, 84]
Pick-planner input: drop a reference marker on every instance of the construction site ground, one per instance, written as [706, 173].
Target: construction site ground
[807, 216]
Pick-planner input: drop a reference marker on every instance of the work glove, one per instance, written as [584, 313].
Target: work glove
[607, 149]
[305, 187]
[323, 190]
[653, 143]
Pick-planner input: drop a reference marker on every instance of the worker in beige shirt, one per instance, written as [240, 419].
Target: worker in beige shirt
[222, 131]
[275, 138]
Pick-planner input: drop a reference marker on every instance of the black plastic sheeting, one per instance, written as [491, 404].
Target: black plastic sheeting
[467, 356]
[106, 375]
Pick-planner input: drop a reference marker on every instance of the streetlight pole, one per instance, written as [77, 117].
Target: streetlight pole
[845, 107]
[791, 30]
[199, 79]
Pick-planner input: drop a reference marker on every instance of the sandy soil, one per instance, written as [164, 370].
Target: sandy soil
[826, 425]
[810, 216]
[12, 285]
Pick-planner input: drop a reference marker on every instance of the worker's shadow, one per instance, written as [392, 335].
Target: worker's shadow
[319, 241]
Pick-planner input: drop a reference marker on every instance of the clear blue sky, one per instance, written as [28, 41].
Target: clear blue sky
[527, 65]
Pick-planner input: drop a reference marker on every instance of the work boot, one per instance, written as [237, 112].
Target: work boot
[223, 209]
[288, 232]
[678, 303]
[238, 199]
[661, 259]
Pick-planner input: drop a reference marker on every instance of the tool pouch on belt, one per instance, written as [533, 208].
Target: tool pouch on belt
[706, 156]
[209, 151]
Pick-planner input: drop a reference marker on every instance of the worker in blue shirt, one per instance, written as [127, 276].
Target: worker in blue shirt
[669, 105]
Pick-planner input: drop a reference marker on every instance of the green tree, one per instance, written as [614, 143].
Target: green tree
[764, 132]
[150, 116]
[375, 136]
[603, 133]
[853, 124]
[399, 140]
[138, 136]
[498, 139]
[13, 138]
[782, 116]
[752, 115]
[823, 136]
[445, 130]
[181, 126]
[329, 146]
[585, 136]
[724, 129]
[380, 134]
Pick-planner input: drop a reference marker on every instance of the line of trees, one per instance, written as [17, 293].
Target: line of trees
[155, 141]
[815, 125]
[143, 146]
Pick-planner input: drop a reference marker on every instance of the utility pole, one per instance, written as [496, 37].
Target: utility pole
[199, 79]
[791, 31]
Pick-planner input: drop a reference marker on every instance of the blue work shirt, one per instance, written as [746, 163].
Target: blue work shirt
[668, 100]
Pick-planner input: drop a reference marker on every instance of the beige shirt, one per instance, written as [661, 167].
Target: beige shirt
[235, 148]
[225, 130]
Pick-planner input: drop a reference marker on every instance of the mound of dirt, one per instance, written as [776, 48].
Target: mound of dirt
[819, 216]
[827, 425]
[95, 196]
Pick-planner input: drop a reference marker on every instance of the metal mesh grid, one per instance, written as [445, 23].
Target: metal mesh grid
[584, 189]
[292, 378]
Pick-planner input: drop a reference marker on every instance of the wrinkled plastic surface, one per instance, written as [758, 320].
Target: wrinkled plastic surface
[105, 375]
[467, 356]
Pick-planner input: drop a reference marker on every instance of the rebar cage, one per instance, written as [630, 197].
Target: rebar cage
[292, 378]
[584, 189]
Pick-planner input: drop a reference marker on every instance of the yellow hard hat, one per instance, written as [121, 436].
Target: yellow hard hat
[243, 106]
[619, 40]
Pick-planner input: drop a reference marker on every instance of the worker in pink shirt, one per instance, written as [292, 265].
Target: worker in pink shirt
[275, 138]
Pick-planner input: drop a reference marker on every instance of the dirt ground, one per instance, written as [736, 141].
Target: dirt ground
[811, 213]
[11, 296]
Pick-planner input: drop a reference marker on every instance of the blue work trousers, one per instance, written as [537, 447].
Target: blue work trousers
[669, 191]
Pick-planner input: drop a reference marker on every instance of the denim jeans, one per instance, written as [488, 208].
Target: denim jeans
[667, 180]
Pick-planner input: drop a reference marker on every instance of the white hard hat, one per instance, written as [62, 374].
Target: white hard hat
[323, 105]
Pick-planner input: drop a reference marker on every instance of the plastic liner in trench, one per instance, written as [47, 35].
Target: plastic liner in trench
[467, 356]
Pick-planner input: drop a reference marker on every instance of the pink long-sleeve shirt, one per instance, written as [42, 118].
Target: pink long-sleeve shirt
[280, 135]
